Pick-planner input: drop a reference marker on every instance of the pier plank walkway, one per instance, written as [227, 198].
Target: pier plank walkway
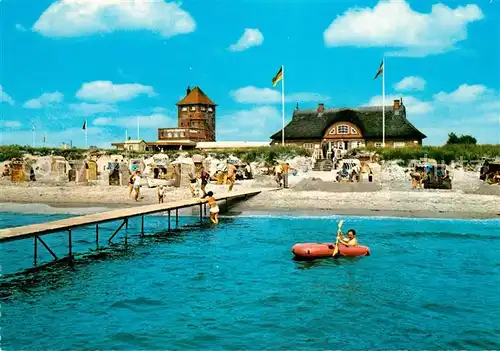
[33, 230]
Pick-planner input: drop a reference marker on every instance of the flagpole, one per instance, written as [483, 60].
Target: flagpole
[137, 127]
[86, 134]
[33, 130]
[126, 135]
[283, 105]
[383, 101]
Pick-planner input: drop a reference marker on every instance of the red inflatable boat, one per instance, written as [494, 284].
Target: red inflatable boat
[321, 250]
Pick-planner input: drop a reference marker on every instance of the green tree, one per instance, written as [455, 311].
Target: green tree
[462, 139]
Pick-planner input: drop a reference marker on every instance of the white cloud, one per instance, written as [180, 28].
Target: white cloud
[108, 92]
[12, 124]
[256, 124]
[251, 37]
[492, 105]
[71, 18]
[156, 120]
[254, 95]
[410, 83]
[4, 97]
[463, 94]
[44, 100]
[392, 23]
[20, 28]
[86, 109]
[413, 105]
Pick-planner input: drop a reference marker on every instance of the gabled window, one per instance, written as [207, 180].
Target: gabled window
[332, 131]
[343, 129]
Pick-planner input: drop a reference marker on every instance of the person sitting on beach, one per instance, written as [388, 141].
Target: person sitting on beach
[161, 193]
[214, 208]
[350, 240]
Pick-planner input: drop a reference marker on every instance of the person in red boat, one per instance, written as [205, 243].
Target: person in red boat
[350, 240]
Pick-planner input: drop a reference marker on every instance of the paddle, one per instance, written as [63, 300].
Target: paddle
[336, 249]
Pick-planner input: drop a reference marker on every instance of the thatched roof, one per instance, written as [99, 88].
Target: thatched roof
[309, 124]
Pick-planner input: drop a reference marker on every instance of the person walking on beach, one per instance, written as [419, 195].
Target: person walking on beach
[193, 185]
[214, 208]
[204, 176]
[161, 193]
[137, 185]
[278, 174]
[131, 183]
[231, 175]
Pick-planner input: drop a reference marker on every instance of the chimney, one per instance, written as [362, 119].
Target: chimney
[321, 108]
[396, 105]
[188, 90]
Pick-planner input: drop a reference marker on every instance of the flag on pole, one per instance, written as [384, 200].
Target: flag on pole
[44, 138]
[380, 70]
[32, 127]
[278, 76]
[84, 125]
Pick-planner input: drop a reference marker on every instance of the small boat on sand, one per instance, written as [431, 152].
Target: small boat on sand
[322, 250]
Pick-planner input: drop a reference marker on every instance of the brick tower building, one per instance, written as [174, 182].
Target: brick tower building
[197, 112]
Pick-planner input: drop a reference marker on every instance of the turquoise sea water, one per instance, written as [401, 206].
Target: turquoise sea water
[429, 284]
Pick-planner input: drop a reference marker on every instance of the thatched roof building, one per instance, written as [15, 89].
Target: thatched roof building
[349, 128]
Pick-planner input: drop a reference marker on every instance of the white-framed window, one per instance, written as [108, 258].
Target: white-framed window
[353, 131]
[169, 135]
[332, 131]
[203, 108]
[378, 144]
[343, 129]
[415, 142]
[308, 146]
[399, 144]
[193, 108]
[184, 109]
[210, 109]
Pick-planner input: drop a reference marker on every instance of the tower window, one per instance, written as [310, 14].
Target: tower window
[193, 108]
[210, 109]
[184, 109]
[203, 108]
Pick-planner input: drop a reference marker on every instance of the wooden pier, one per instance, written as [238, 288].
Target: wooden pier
[37, 230]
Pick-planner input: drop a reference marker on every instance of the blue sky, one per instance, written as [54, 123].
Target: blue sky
[109, 61]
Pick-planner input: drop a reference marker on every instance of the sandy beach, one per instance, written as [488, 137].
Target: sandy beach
[301, 198]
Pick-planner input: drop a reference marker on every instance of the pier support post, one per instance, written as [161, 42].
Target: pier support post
[201, 214]
[176, 217]
[142, 225]
[168, 220]
[116, 231]
[97, 236]
[70, 246]
[35, 246]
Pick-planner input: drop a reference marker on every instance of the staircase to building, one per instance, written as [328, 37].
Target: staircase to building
[324, 165]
